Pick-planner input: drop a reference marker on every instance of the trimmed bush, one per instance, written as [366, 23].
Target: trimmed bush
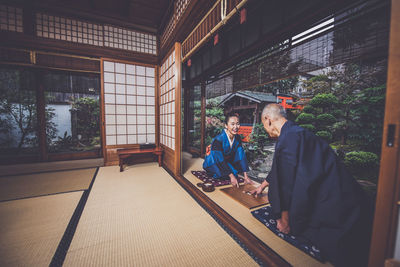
[327, 136]
[309, 109]
[363, 165]
[309, 127]
[305, 118]
[361, 159]
[323, 100]
[326, 119]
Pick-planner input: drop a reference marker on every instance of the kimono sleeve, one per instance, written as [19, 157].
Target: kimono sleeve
[287, 161]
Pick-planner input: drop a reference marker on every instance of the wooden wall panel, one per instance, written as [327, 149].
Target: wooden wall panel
[168, 158]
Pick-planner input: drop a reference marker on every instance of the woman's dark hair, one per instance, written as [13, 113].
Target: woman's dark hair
[230, 115]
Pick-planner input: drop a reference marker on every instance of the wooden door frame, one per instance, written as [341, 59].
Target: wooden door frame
[387, 203]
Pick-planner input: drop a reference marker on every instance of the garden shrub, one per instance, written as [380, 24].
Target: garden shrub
[327, 136]
[309, 109]
[363, 165]
[309, 127]
[305, 118]
[326, 119]
[324, 100]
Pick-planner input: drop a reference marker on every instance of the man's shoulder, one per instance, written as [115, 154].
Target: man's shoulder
[292, 130]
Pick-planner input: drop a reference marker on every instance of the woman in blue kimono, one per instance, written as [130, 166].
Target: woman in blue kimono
[225, 157]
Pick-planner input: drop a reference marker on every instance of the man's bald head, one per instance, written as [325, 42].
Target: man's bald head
[273, 112]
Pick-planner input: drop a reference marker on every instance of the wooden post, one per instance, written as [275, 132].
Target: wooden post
[186, 89]
[203, 119]
[178, 111]
[387, 203]
[41, 115]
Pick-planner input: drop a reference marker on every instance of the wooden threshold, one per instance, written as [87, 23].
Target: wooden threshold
[259, 249]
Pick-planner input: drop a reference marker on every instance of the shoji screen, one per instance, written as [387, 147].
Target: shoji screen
[169, 99]
[167, 102]
[129, 105]
[11, 18]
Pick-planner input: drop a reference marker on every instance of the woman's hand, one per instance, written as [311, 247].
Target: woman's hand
[234, 181]
[247, 180]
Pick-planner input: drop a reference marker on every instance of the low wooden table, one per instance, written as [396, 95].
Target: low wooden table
[125, 153]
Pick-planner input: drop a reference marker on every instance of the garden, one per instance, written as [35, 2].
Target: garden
[345, 107]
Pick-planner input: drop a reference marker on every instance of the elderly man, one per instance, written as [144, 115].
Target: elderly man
[312, 195]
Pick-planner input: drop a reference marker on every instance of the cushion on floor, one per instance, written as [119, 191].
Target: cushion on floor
[202, 175]
[264, 215]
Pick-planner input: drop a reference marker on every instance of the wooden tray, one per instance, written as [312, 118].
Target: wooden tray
[249, 201]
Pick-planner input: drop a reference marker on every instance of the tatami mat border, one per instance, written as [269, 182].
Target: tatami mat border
[63, 246]
[49, 171]
[44, 195]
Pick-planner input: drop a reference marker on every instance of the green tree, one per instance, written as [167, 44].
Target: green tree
[305, 118]
[368, 114]
[320, 84]
[18, 108]
[324, 102]
[87, 112]
[214, 120]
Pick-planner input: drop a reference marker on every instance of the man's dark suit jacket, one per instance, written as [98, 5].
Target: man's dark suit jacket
[326, 204]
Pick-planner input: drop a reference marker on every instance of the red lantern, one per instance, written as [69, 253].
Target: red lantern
[216, 39]
[243, 16]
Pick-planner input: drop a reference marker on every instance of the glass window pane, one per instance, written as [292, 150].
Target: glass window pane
[72, 112]
[18, 115]
[194, 118]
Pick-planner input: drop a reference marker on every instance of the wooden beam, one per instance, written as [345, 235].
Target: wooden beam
[23, 41]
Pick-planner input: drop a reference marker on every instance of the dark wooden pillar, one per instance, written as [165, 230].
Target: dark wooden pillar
[187, 91]
[203, 119]
[41, 115]
[388, 196]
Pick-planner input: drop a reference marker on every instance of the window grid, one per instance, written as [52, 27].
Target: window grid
[11, 18]
[78, 31]
[129, 40]
[66, 29]
[129, 99]
[167, 102]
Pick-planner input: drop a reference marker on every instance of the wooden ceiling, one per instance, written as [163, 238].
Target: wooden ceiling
[146, 14]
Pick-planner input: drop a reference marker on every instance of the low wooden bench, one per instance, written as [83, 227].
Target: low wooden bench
[125, 153]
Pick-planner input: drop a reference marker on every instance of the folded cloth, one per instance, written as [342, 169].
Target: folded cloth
[202, 175]
[264, 215]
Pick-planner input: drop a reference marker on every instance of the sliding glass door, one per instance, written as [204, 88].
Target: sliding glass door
[48, 115]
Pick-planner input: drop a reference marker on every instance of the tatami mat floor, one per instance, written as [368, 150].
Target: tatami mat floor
[33, 185]
[291, 254]
[31, 229]
[30, 168]
[142, 217]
